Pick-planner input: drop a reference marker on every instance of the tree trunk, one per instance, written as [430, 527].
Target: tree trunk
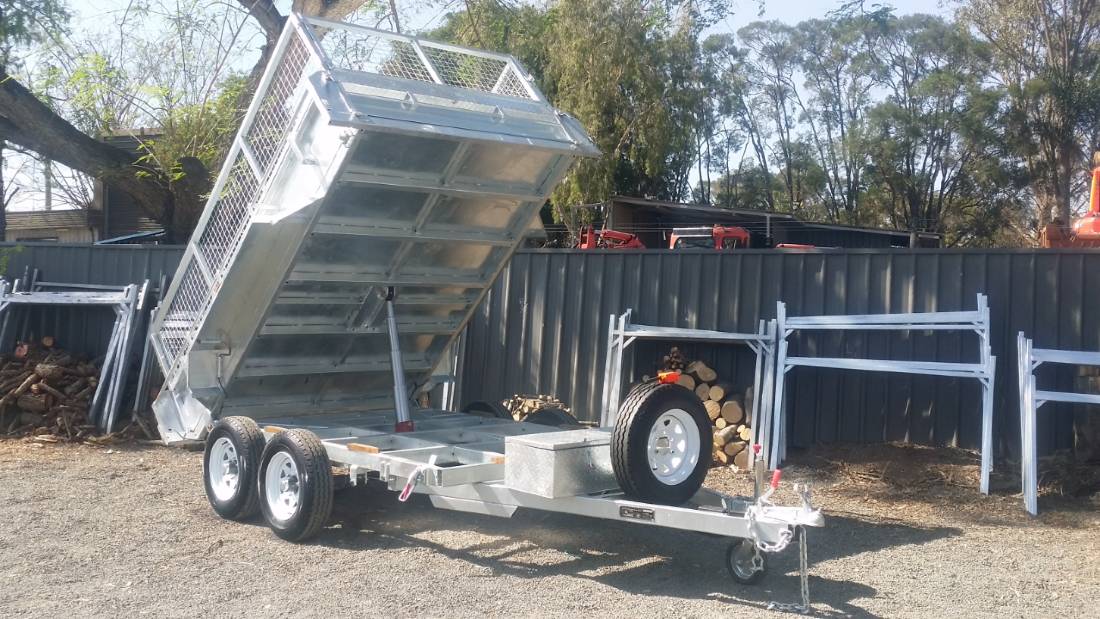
[26, 121]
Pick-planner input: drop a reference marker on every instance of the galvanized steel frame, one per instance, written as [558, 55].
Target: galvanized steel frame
[470, 478]
[984, 371]
[621, 333]
[127, 302]
[1032, 399]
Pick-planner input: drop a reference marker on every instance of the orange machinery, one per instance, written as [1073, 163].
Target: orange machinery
[1085, 231]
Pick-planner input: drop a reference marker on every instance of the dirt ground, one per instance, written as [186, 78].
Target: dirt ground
[126, 530]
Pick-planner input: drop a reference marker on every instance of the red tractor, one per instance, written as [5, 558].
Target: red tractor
[702, 237]
[608, 239]
[717, 237]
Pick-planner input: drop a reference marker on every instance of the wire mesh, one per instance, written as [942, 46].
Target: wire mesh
[266, 135]
[512, 85]
[383, 54]
[357, 50]
[184, 313]
[224, 231]
[232, 212]
[465, 71]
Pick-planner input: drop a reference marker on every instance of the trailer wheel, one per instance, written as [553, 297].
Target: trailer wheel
[229, 464]
[551, 416]
[295, 485]
[746, 564]
[491, 410]
[661, 443]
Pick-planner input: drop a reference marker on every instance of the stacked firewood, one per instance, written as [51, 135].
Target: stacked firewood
[729, 407]
[522, 405]
[46, 392]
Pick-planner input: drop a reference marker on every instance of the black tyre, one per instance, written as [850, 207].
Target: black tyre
[295, 485]
[491, 410]
[660, 447]
[552, 416]
[229, 464]
[745, 563]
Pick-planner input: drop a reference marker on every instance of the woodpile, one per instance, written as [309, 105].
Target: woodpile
[45, 392]
[522, 405]
[729, 407]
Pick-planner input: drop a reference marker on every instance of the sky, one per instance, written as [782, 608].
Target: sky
[99, 15]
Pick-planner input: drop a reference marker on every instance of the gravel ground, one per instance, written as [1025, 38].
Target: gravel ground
[127, 531]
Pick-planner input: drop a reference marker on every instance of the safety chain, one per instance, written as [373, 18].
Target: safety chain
[804, 578]
[785, 535]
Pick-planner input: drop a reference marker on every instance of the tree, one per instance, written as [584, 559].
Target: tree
[22, 23]
[163, 187]
[772, 61]
[638, 97]
[1047, 55]
[834, 59]
[932, 136]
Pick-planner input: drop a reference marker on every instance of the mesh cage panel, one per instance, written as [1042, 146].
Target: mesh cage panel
[356, 50]
[221, 237]
[265, 136]
[359, 50]
[184, 314]
[512, 85]
[233, 211]
[466, 71]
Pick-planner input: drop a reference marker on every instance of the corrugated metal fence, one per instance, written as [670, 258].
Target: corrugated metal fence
[543, 329]
[83, 330]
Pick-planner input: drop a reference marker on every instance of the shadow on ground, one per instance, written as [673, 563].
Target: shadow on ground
[629, 557]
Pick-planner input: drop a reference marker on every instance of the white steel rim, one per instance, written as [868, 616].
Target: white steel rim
[224, 469]
[673, 446]
[282, 486]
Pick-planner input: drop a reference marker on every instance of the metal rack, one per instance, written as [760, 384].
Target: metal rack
[127, 303]
[975, 321]
[1032, 399]
[622, 333]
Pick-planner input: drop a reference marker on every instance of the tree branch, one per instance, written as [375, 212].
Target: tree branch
[27, 122]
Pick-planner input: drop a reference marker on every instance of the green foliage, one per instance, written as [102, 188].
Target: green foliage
[5, 257]
[627, 69]
[26, 22]
[201, 131]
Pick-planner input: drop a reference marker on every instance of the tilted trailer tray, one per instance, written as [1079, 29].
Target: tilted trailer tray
[376, 188]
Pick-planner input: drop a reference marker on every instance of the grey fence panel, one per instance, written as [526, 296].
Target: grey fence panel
[542, 330]
[82, 330]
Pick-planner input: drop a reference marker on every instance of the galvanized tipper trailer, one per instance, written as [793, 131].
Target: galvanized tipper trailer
[376, 188]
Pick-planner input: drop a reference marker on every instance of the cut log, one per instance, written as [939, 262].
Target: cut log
[732, 411]
[714, 409]
[686, 381]
[720, 423]
[734, 448]
[727, 434]
[703, 391]
[720, 391]
[744, 432]
[721, 456]
[33, 403]
[47, 341]
[701, 371]
[44, 387]
[741, 460]
[50, 371]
